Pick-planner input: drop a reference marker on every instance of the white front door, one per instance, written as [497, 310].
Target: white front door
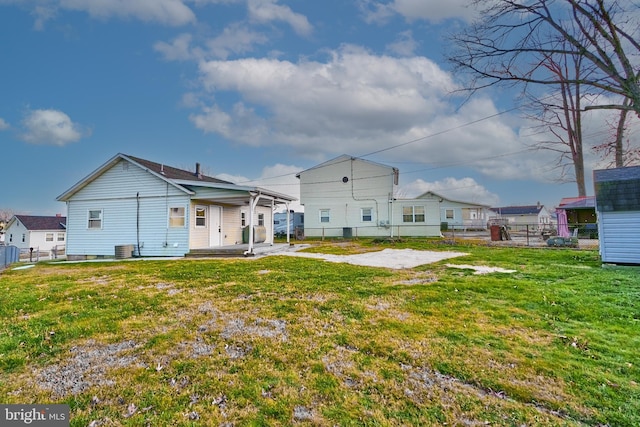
[215, 225]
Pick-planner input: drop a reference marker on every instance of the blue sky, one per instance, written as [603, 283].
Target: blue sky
[255, 91]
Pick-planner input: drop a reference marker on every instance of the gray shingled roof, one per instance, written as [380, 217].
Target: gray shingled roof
[617, 189]
[39, 223]
[175, 173]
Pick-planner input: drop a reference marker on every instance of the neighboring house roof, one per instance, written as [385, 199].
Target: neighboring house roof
[179, 178]
[41, 223]
[617, 189]
[519, 210]
[586, 202]
[434, 194]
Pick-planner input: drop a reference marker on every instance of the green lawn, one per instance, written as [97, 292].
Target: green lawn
[285, 340]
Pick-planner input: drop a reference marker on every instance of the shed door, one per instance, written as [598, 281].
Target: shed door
[215, 228]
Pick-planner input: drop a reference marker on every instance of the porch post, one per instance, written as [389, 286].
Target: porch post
[253, 201]
[288, 223]
[273, 207]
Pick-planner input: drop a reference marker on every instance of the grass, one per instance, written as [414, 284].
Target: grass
[287, 340]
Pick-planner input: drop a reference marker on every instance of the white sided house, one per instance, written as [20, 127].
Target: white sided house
[42, 233]
[459, 215]
[536, 217]
[352, 197]
[153, 209]
[618, 210]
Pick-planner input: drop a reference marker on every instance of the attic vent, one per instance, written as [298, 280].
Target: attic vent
[125, 166]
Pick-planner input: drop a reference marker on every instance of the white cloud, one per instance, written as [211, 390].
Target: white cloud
[268, 11]
[49, 127]
[354, 97]
[434, 10]
[3, 124]
[406, 45]
[167, 12]
[279, 178]
[235, 39]
[178, 50]
[464, 190]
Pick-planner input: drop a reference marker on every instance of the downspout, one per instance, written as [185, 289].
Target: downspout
[288, 223]
[138, 222]
[391, 216]
[273, 206]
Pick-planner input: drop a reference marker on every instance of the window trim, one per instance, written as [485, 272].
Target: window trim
[171, 217]
[95, 220]
[201, 218]
[327, 216]
[414, 214]
[363, 216]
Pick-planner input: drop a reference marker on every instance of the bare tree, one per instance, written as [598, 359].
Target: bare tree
[624, 154]
[5, 215]
[513, 40]
[560, 116]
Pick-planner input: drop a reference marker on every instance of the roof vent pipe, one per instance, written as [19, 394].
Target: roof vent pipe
[198, 174]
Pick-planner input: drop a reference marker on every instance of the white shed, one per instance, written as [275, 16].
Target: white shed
[618, 210]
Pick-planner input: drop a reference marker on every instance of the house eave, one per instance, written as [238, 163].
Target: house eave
[264, 193]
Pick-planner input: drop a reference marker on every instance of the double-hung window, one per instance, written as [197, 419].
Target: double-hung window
[201, 216]
[95, 219]
[49, 237]
[324, 215]
[176, 217]
[448, 213]
[413, 214]
[366, 214]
